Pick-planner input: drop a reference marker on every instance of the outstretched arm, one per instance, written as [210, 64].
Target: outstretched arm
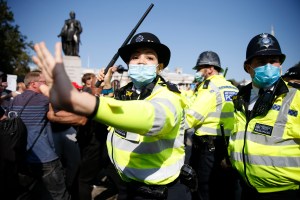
[62, 94]
[64, 117]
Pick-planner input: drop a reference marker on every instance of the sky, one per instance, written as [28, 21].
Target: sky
[187, 27]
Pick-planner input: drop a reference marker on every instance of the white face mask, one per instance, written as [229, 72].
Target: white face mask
[141, 75]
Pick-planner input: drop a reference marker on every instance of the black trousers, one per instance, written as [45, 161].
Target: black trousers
[175, 191]
[214, 181]
[95, 163]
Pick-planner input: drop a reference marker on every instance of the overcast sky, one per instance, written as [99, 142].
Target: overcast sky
[187, 27]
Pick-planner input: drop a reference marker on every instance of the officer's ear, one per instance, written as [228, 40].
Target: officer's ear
[247, 67]
[160, 67]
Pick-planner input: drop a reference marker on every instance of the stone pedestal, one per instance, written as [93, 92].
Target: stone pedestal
[73, 68]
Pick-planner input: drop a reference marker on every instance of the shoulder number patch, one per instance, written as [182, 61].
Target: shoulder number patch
[228, 95]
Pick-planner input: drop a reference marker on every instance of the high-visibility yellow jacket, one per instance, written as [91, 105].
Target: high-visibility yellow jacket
[146, 137]
[188, 95]
[211, 107]
[266, 149]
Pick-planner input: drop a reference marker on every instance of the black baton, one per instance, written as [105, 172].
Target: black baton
[116, 56]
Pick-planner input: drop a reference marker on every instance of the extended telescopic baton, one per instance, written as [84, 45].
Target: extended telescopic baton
[116, 56]
[225, 72]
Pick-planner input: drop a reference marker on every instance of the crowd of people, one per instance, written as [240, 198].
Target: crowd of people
[148, 139]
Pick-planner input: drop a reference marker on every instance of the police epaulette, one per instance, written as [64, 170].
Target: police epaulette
[172, 87]
[205, 84]
[294, 85]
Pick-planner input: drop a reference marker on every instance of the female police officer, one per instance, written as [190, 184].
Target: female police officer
[146, 141]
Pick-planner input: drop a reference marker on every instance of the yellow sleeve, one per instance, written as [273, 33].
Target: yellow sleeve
[156, 115]
[199, 109]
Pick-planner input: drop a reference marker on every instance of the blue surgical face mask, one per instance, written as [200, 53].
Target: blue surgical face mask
[142, 75]
[265, 76]
[199, 77]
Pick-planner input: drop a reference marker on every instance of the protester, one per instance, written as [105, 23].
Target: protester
[87, 80]
[42, 162]
[77, 86]
[64, 125]
[6, 94]
[2, 111]
[211, 115]
[264, 146]
[145, 141]
[96, 175]
[107, 88]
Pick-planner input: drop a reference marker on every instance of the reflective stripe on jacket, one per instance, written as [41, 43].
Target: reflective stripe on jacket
[271, 158]
[147, 141]
[211, 107]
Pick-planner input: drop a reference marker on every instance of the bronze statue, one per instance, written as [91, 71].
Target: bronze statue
[70, 36]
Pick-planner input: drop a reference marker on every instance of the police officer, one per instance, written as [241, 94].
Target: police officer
[264, 146]
[211, 115]
[146, 139]
[292, 75]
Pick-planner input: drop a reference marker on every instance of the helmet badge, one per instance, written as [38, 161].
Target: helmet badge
[139, 38]
[265, 40]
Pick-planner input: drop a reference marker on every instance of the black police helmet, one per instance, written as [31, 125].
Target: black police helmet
[293, 73]
[263, 44]
[146, 40]
[209, 58]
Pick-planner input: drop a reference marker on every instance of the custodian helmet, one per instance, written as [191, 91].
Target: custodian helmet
[263, 45]
[146, 40]
[293, 73]
[209, 58]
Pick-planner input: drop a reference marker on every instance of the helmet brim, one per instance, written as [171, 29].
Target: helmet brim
[266, 52]
[293, 73]
[220, 69]
[163, 52]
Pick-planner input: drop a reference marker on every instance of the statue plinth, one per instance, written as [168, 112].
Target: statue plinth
[73, 68]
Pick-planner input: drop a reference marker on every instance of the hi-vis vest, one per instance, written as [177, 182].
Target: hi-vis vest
[211, 107]
[147, 141]
[266, 151]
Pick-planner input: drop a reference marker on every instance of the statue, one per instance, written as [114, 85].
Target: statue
[70, 36]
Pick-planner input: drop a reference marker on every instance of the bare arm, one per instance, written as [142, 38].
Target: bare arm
[62, 94]
[106, 84]
[6, 96]
[64, 117]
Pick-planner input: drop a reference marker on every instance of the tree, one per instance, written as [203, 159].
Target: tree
[14, 58]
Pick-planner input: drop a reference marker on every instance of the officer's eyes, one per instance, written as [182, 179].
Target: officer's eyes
[268, 60]
[134, 57]
[276, 60]
[150, 57]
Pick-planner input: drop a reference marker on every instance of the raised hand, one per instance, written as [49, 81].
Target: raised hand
[62, 94]
[52, 68]
[48, 64]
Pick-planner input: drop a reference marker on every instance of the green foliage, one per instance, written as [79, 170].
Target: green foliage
[14, 58]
